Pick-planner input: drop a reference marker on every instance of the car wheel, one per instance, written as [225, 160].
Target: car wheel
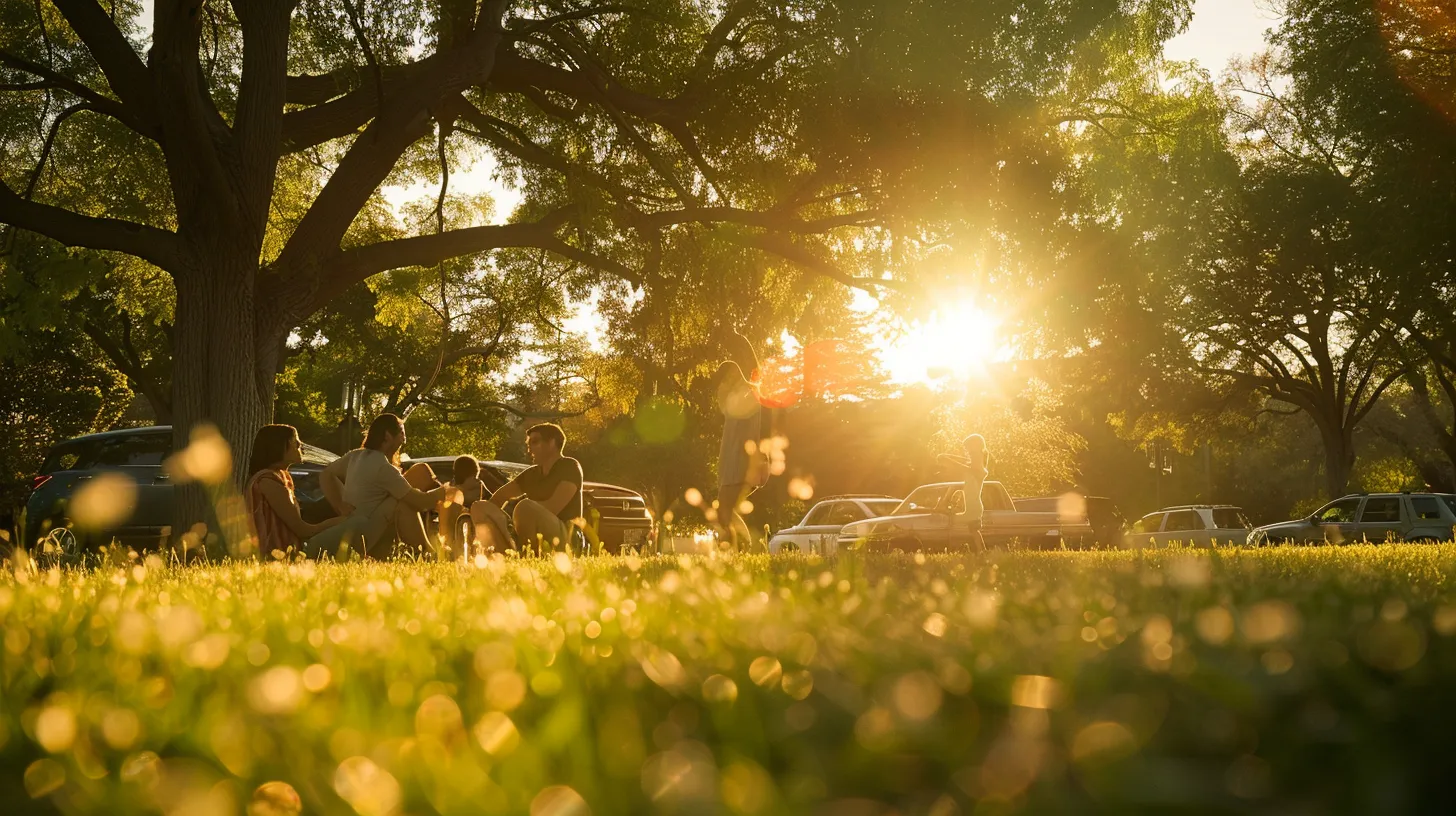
[906, 544]
[59, 547]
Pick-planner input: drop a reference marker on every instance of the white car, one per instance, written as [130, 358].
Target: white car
[1192, 525]
[818, 531]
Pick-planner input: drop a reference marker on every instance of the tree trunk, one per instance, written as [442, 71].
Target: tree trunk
[217, 380]
[1339, 444]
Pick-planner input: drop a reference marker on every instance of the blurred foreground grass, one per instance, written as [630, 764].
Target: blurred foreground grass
[1290, 680]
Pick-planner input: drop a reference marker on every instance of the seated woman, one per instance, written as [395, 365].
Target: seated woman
[465, 477]
[272, 505]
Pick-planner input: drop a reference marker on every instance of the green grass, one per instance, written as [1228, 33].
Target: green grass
[1304, 680]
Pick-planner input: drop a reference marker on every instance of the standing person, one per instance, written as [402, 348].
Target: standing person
[742, 469]
[380, 503]
[974, 464]
[272, 504]
[550, 505]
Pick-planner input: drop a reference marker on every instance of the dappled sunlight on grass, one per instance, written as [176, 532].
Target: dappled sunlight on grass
[746, 684]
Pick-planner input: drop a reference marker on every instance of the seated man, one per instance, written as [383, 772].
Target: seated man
[551, 505]
[379, 503]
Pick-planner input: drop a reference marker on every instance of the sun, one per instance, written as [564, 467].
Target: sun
[959, 341]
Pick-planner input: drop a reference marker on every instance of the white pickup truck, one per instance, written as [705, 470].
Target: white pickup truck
[929, 519]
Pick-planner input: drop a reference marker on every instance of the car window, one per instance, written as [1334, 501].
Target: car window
[995, 499]
[1337, 512]
[922, 499]
[1381, 509]
[1230, 518]
[1425, 507]
[957, 503]
[881, 508]
[65, 456]
[818, 514]
[1151, 523]
[1102, 511]
[842, 513]
[133, 450]
[1183, 520]
[1450, 503]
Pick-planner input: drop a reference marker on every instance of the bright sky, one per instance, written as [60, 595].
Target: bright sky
[1222, 29]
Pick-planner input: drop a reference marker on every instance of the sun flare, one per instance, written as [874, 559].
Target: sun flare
[957, 342]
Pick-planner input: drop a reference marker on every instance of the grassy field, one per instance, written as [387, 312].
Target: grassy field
[1277, 680]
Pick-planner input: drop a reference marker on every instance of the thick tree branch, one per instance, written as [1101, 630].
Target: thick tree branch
[148, 243]
[258, 126]
[403, 121]
[785, 248]
[123, 68]
[358, 263]
[768, 219]
[97, 101]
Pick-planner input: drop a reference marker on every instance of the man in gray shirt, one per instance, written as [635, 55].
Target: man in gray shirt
[379, 503]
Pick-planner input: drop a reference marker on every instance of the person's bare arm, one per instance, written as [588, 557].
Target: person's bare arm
[958, 461]
[560, 497]
[508, 491]
[427, 499]
[331, 479]
[277, 497]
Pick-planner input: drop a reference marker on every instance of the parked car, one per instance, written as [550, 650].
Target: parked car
[1108, 523]
[926, 520]
[818, 530]
[1194, 525]
[619, 514]
[1424, 517]
[136, 453]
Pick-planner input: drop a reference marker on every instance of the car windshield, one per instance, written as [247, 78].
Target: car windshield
[510, 470]
[927, 499]
[317, 456]
[1230, 518]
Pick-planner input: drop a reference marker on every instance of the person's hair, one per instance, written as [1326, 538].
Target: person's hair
[382, 426]
[269, 445]
[549, 430]
[465, 468]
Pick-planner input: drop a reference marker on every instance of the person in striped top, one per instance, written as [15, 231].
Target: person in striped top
[272, 505]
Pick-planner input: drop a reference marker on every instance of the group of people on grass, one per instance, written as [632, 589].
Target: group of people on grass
[380, 505]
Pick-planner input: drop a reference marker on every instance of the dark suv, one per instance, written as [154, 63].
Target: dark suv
[620, 514]
[138, 454]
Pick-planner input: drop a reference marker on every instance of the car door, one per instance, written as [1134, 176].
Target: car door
[1380, 520]
[1230, 526]
[1335, 522]
[1427, 522]
[811, 529]
[139, 457]
[1145, 530]
[1185, 527]
[825, 539]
